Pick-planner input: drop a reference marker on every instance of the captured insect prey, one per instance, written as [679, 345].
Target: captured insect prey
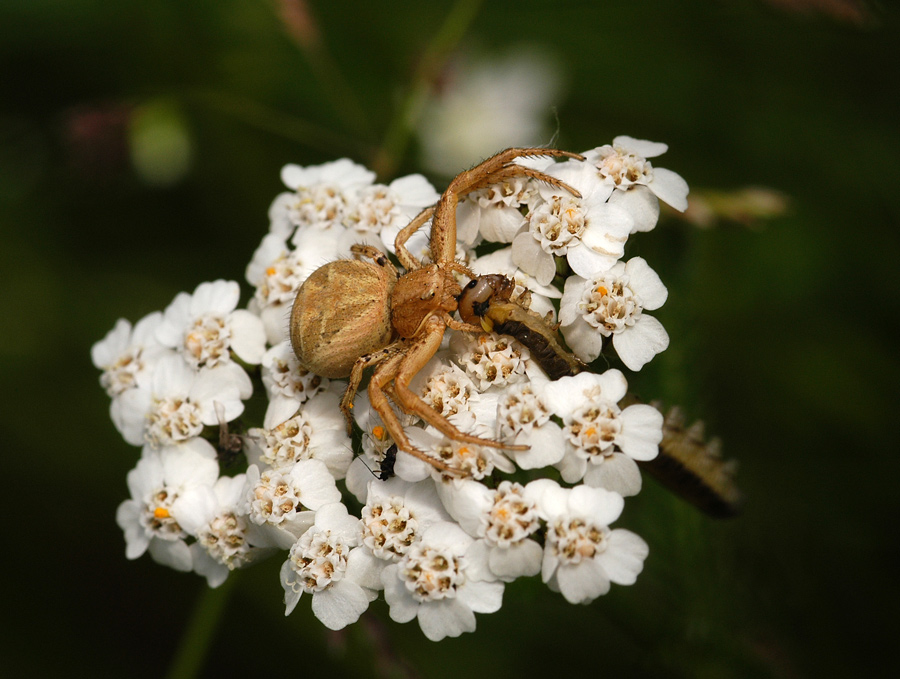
[687, 465]
[487, 300]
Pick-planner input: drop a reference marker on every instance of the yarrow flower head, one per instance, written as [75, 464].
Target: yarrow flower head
[178, 402]
[611, 305]
[588, 231]
[322, 193]
[634, 183]
[603, 440]
[126, 356]
[452, 453]
[226, 538]
[322, 563]
[283, 500]
[316, 431]
[441, 584]
[163, 486]
[582, 555]
[206, 327]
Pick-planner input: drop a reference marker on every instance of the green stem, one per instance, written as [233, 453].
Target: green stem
[200, 632]
[444, 42]
[287, 126]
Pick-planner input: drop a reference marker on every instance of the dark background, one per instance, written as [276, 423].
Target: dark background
[783, 333]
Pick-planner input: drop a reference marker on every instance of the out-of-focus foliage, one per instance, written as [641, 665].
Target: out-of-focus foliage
[140, 147]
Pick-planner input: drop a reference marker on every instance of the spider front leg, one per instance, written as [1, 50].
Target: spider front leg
[407, 259]
[425, 346]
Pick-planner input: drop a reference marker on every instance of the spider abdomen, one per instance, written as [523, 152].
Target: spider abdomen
[342, 312]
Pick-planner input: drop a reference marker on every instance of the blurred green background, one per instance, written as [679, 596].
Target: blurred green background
[140, 147]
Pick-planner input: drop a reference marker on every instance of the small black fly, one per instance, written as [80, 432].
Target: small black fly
[386, 470]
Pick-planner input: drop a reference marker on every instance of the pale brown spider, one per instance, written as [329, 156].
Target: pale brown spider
[352, 314]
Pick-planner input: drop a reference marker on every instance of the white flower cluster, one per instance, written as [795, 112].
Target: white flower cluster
[440, 546]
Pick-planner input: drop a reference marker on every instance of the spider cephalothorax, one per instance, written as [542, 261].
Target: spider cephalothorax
[352, 314]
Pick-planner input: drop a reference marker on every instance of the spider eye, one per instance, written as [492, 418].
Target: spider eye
[428, 295]
[471, 284]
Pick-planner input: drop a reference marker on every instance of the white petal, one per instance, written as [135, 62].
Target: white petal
[230, 490]
[641, 432]
[291, 595]
[411, 468]
[637, 345]
[195, 509]
[572, 466]
[218, 297]
[670, 188]
[646, 283]
[248, 336]
[587, 262]
[365, 569]
[414, 189]
[448, 534]
[500, 224]
[172, 377]
[281, 408]
[528, 256]
[608, 228]
[316, 484]
[618, 473]
[553, 501]
[358, 477]
[640, 147]
[335, 518]
[547, 447]
[572, 292]
[583, 582]
[170, 332]
[602, 506]
[468, 502]
[275, 320]
[172, 553]
[447, 618]
[481, 596]
[403, 606]
[613, 385]
[549, 564]
[215, 573]
[583, 339]
[476, 559]
[522, 559]
[423, 499]
[128, 412]
[624, 558]
[468, 221]
[136, 538]
[191, 462]
[223, 384]
[641, 203]
[339, 605]
[107, 351]
[567, 393]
